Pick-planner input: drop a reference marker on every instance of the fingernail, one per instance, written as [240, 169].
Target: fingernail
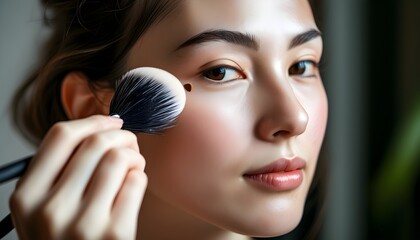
[116, 118]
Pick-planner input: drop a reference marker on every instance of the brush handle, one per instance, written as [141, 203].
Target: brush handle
[8, 172]
[14, 169]
[6, 226]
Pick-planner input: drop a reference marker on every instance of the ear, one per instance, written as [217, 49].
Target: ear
[79, 100]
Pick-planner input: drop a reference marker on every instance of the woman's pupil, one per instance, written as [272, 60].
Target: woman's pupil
[300, 68]
[217, 73]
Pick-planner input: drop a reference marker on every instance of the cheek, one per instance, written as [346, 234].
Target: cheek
[206, 142]
[212, 131]
[310, 141]
[318, 113]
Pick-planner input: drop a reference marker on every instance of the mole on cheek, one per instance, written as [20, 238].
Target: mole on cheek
[188, 87]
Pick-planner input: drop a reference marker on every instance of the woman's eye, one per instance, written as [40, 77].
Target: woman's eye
[223, 74]
[306, 68]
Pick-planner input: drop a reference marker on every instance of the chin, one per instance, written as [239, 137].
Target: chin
[269, 225]
[275, 229]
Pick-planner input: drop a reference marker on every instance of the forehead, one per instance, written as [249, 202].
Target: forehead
[191, 16]
[273, 22]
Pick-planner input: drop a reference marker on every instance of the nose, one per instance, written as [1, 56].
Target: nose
[281, 113]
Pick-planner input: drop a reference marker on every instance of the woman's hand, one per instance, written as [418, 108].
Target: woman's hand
[86, 181]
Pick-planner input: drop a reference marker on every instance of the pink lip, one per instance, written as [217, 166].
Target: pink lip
[280, 175]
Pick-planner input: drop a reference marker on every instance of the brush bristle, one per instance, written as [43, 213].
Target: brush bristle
[148, 100]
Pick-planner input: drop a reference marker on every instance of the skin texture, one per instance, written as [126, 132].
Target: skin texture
[231, 128]
[68, 193]
[270, 104]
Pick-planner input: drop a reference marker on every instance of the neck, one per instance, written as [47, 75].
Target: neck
[160, 220]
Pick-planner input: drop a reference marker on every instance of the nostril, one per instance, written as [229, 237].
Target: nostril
[277, 134]
[280, 133]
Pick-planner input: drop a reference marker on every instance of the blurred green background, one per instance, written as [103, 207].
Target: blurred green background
[372, 75]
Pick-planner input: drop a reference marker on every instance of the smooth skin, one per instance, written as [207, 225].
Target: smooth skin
[249, 106]
[269, 104]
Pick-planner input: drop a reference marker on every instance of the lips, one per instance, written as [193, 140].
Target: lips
[280, 175]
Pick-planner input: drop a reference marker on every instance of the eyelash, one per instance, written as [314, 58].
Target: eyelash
[225, 68]
[241, 75]
[313, 64]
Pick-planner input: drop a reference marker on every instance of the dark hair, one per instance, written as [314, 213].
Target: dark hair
[92, 37]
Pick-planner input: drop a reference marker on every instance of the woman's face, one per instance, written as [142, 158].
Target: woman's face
[244, 150]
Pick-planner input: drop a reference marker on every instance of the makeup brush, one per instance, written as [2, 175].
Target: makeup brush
[148, 100]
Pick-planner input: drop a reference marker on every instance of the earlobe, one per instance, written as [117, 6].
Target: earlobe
[79, 100]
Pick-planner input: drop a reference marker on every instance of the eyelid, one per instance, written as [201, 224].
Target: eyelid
[239, 72]
[222, 63]
[315, 65]
[222, 66]
[313, 62]
[225, 66]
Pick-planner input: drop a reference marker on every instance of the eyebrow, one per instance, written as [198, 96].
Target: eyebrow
[244, 39]
[239, 38]
[304, 37]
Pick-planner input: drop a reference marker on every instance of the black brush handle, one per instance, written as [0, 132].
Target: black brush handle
[6, 226]
[14, 169]
[8, 172]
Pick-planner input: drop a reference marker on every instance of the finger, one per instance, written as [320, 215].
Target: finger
[127, 204]
[110, 175]
[77, 174]
[17, 223]
[104, 187]
[56, 149]
[64, 200]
